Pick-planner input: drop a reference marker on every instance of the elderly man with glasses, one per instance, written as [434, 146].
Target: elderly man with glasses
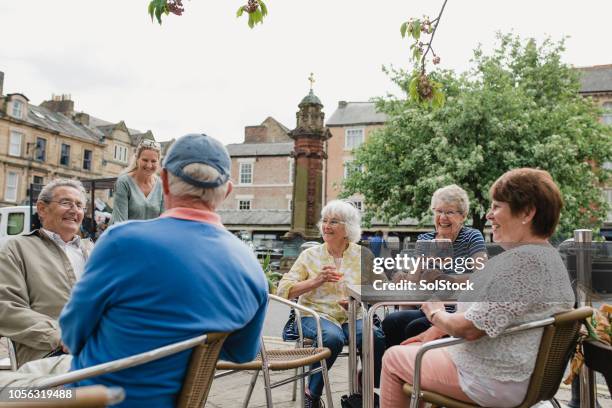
[39, 270]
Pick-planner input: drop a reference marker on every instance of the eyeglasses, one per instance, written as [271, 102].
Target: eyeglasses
[332, 222]
[67, 204]
[447, 213]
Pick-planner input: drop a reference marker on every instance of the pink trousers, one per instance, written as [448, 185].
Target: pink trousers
[438, 374]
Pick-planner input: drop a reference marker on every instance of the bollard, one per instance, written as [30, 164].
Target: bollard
[582, 241]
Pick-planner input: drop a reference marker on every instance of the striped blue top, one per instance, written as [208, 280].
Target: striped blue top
[469, 241]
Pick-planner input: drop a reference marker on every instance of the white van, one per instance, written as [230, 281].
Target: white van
[14, 221]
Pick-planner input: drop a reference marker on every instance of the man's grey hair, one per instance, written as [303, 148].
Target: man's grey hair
[46, 195]
[213, 197]
[451, 195]
[345, 212]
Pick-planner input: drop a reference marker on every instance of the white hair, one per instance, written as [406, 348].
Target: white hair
[347, 213]
[213, 197]
[451, 195]
[46, 195]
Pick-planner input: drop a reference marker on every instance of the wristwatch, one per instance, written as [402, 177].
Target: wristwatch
[432, 314]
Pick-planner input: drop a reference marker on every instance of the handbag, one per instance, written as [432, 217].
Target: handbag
[290, 332]
[351, 401]
[356, 401]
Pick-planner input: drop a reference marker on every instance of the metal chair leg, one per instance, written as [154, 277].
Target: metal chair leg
[302, 387]
[294, 392]
[247, 398]
[265, 369]
[268, 389]
[328, 394]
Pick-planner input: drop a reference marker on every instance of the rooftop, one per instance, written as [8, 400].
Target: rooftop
[259, 149]
[356, 113]
[255, 217]
[58, 122]
[597, 78]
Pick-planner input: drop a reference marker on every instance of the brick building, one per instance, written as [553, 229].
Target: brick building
[350, 126]
[596, 83]
[262, 172]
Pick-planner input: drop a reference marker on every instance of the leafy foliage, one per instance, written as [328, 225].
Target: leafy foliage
[256, 10]
[518, 107]
[157, 8]
[272, 276]
[423, 89]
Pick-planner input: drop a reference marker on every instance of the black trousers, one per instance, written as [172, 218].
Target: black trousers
[399, 326]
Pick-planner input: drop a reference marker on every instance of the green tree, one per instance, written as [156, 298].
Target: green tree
[518, 107]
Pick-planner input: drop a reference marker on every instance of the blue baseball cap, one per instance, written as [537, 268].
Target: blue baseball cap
[198, 148]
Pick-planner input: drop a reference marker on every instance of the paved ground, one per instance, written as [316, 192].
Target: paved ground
[229, 392]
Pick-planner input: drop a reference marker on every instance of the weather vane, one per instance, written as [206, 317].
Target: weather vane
[311, 80]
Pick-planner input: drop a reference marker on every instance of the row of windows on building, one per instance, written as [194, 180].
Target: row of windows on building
[40, 154]
[246, 204]
[354, 138]
[12, 185]
[245, 174]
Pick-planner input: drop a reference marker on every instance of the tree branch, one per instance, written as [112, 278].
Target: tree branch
[433, 33]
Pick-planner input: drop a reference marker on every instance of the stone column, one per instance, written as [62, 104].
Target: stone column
[309, 135]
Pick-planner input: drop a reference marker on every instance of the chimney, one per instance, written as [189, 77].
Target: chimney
[60, 104]
[255, 134]
[1, 83]
[342, 104]
[82, 118]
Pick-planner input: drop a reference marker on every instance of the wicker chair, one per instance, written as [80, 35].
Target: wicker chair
[284, 359]
[556, 348]
[196, 383]
[95, 396]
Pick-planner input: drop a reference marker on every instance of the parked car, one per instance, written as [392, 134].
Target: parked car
[16, 221]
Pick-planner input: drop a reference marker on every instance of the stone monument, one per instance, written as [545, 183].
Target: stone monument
[308, 152]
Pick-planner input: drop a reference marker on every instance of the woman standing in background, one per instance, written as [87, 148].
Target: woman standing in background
[138, 190]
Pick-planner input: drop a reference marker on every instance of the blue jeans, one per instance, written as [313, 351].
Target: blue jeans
[335, 338]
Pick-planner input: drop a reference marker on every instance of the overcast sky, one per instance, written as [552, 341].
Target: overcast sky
[206, 71]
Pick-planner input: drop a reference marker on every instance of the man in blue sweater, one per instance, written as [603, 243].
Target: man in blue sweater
[152, 283]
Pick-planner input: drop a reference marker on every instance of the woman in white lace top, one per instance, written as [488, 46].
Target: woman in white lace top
[526, 282]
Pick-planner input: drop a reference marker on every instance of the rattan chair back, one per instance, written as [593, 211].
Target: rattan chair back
[201, 372]
[556, 349]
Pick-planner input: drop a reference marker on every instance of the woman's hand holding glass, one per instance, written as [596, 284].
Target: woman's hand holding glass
[329, 274]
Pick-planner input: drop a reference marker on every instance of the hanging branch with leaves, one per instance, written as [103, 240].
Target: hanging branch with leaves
[159, 8]
[255, 9]
[421, 87]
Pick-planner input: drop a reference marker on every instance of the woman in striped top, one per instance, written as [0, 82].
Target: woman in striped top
[450, 206]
